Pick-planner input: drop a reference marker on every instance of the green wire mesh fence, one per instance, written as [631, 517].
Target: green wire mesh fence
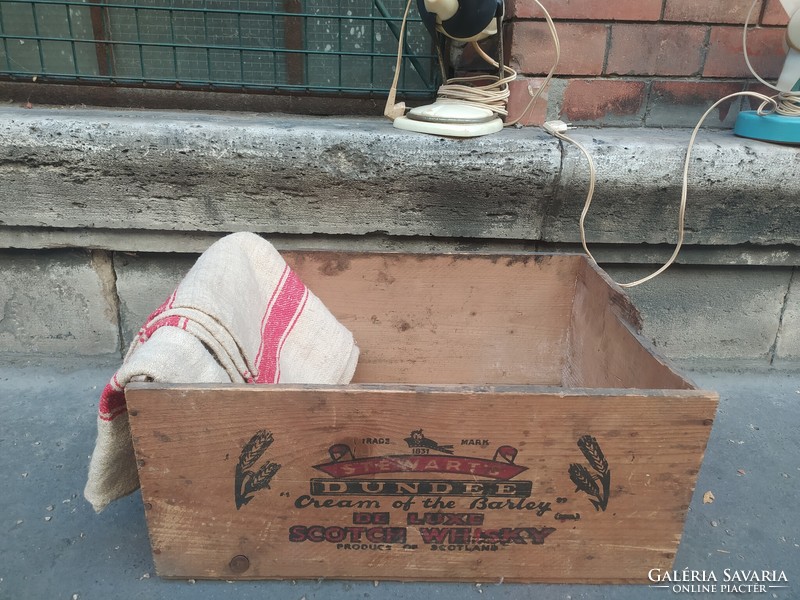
[328, 46]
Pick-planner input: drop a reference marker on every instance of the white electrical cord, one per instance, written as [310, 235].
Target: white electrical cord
[557, 47]
[558, 129]
[493, 95]
[783, 103]
[395, 110]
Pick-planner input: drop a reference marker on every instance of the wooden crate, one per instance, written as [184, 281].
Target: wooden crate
[506, 422]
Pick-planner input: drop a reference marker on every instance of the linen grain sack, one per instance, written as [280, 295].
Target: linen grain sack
[240, 315]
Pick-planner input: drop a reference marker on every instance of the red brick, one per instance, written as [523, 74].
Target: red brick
[603, 100]
[774, 14]
[589, 10]
[682, 103]
[656, 49]
[520, 96]
[710, 11]
[583, 48]
[726, 58]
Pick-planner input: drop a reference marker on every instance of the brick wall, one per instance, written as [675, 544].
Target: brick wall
[657, 63]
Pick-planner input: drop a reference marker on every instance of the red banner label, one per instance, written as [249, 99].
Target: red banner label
[460, 465]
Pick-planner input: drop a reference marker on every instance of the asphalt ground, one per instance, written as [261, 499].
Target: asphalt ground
[53, 545]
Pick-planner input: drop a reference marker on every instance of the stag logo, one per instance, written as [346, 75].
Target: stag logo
[417, 439]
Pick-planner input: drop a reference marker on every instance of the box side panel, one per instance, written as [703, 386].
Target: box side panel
[604, 348]
[270, 482]
[449, 318]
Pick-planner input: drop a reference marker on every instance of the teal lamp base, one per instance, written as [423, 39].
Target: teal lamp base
[768, 128]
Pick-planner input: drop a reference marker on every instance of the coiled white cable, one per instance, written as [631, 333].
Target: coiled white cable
[493, 95]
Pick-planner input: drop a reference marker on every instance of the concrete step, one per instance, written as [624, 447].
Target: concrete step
[90, 303]
[103, 210]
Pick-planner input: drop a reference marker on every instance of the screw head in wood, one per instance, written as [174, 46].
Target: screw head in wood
[239, 563]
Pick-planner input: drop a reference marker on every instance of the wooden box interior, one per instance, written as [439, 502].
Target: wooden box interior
[551, 320]
[531, 363]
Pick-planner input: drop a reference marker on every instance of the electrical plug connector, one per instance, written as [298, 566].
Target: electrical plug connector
[556, 127]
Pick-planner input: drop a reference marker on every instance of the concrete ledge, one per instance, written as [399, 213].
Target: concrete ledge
[58, 303]
[787, 346]
[127, 241]
[702, 315]
[152, 183]
[712, 313]
[201, 173]
[740, 191]
[212, 173]
[80, 304]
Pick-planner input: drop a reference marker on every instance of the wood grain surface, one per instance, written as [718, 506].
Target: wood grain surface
[506, 422]
[461, 318]
[535, 524]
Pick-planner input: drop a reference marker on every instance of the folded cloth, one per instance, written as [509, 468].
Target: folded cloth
[240, 315]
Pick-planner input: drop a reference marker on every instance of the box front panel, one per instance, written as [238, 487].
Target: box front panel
[416, 484]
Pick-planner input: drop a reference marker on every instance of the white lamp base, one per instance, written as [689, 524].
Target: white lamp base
[450, 119]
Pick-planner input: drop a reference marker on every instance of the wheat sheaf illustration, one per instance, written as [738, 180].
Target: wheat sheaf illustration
[248, 481]
[598, 484]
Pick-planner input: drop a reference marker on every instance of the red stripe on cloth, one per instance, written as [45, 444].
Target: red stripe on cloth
[171, 321]
[289, 330]
[279, 321]
[268, 311]
[112, 402]
[166, 305]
